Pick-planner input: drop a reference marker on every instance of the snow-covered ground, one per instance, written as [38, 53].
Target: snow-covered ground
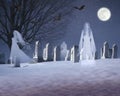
[87, 78]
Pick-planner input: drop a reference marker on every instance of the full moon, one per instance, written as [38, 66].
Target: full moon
[104, 14]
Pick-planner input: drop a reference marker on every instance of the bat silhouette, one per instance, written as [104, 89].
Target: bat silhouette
[80, 8]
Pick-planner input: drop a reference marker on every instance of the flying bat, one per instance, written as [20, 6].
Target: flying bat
[80, 8]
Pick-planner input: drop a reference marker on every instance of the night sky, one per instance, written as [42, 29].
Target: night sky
[102, 31]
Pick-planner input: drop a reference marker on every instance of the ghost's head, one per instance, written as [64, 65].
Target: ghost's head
[15, 35]
[86, 28]
[18, 37]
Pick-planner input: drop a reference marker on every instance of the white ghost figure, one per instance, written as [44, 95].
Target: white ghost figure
[87, 48]
[63, 51]
[16, 52]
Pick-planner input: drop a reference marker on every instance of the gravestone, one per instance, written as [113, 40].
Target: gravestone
[96, 55]
[114, 51]
[101, 53]
[105, 53]
[67, 57]
[81, 54]
[47, 53]
[110, 53]
[35, 57]
[17, 62]
[74, 54]
[56, 53]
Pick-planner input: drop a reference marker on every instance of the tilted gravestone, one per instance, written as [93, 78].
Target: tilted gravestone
[74, 54]
[67, 57]
[56, 54]
[114, 51]
[101, 52]
[105, 50]
[35, 57]
[47, 53]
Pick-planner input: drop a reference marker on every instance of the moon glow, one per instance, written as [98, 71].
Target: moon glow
[104, 14]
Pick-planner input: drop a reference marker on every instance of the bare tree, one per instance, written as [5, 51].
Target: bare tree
[34, 19]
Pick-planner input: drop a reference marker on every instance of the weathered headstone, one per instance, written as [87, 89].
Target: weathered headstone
[56, 53]
[110, 53]
[114, 51]
[35, 57]
[74, 54]
[105, 53]
[81, 54]
[67, 57]
[17, 62]
[101, 53]
[96, 55]
[47, 53]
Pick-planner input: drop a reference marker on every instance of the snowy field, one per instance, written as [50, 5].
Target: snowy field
[99, 78]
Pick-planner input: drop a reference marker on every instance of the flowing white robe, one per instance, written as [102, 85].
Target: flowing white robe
[16, 52]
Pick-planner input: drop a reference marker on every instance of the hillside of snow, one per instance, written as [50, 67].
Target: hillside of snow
[63, 78]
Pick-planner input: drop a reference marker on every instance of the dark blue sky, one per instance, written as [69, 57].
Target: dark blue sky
[102, 31]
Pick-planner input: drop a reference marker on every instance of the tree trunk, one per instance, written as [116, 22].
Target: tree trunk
[9, 44]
